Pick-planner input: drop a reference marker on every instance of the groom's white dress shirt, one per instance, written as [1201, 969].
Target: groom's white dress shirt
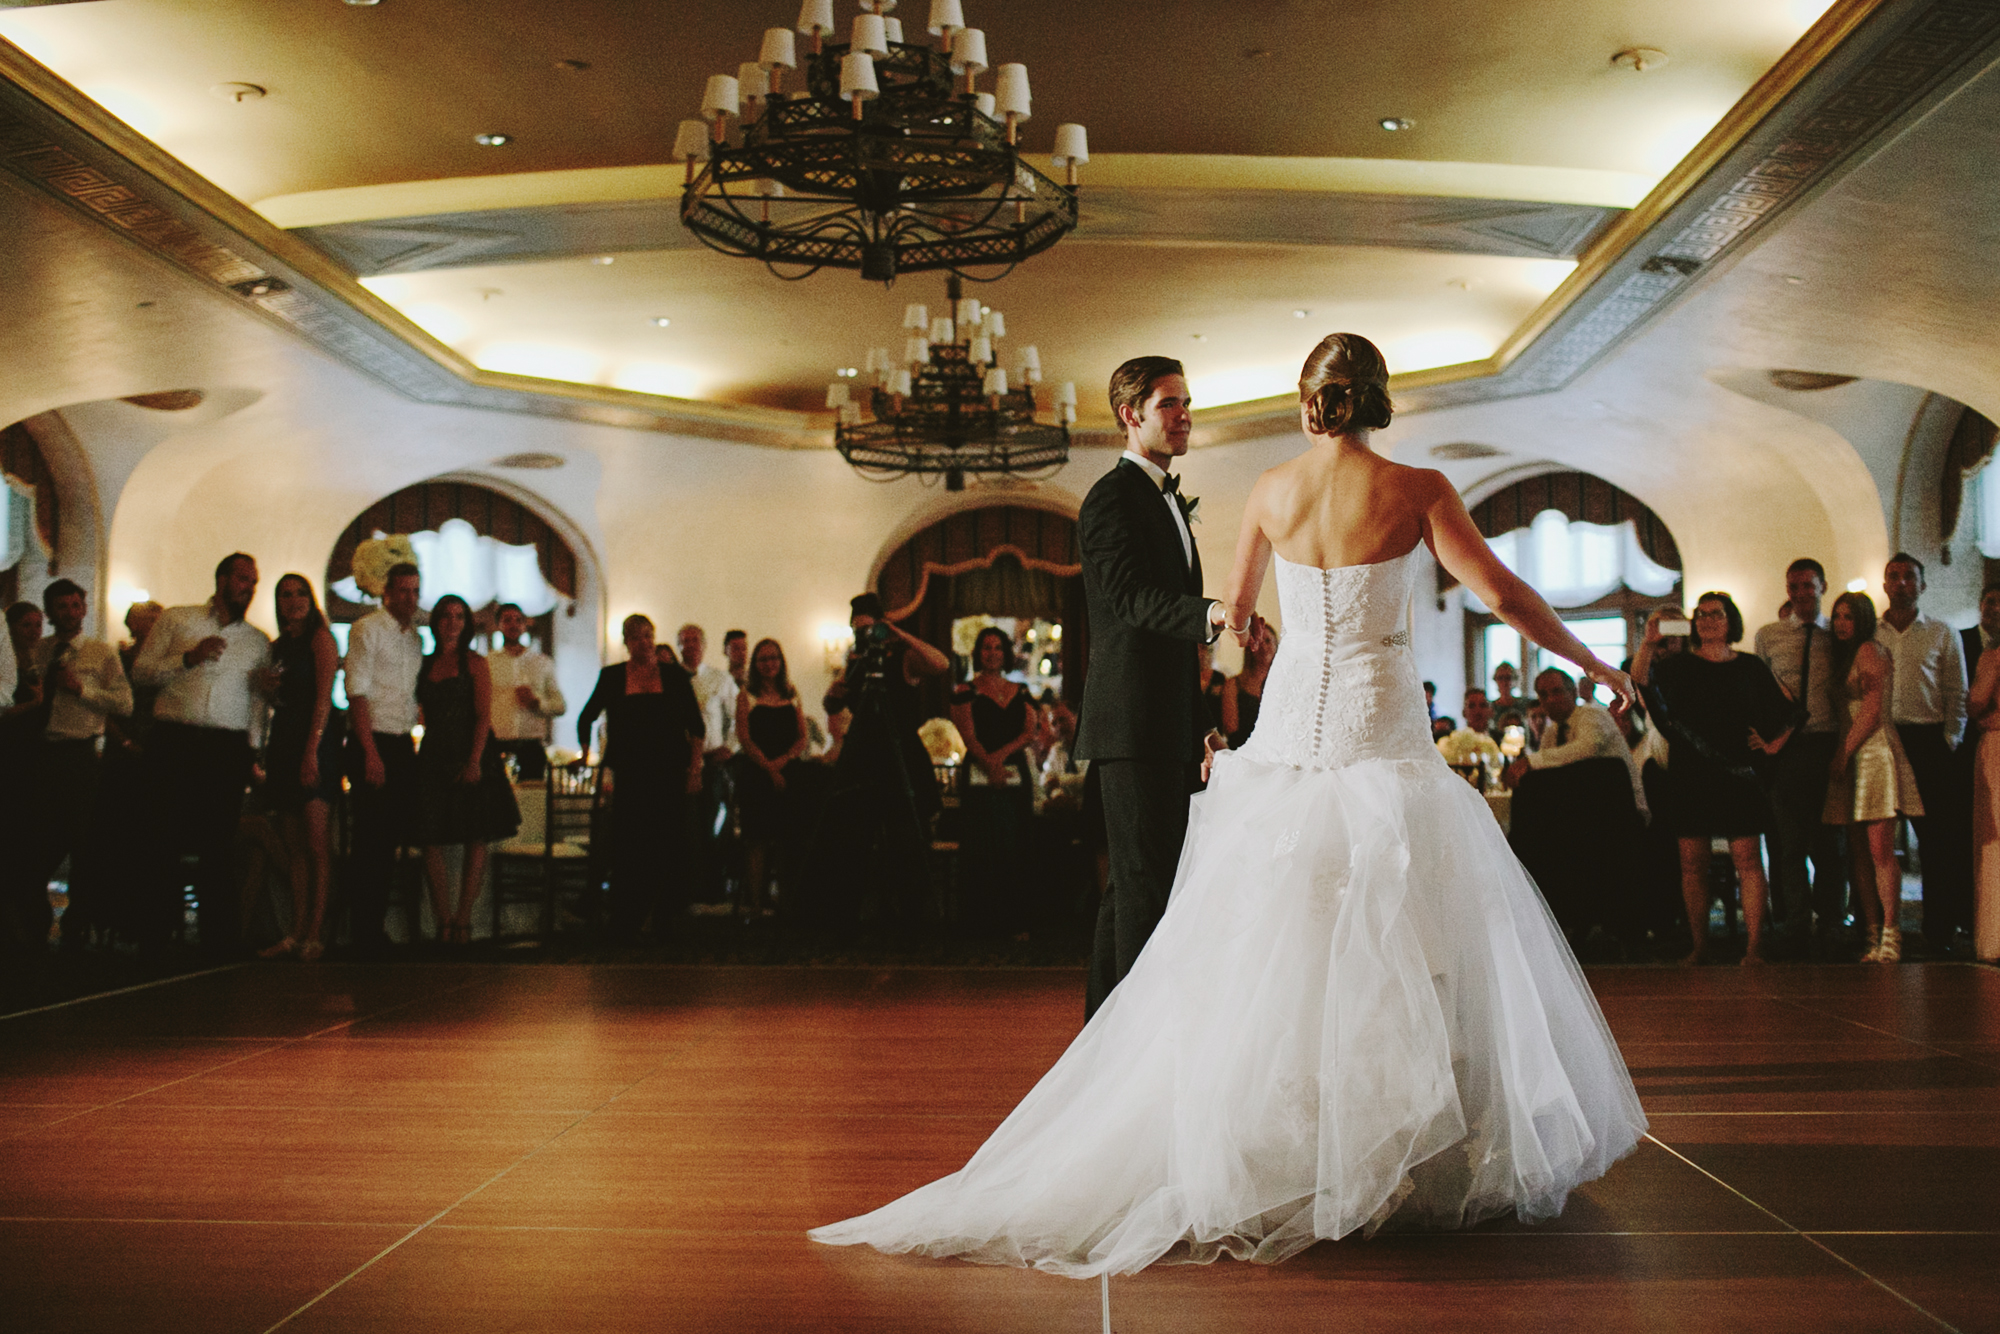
[1159, 477]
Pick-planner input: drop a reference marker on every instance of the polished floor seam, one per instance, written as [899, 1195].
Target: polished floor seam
[124, 991]
[277, 1045]
[439, 1217]
[1810, 1240]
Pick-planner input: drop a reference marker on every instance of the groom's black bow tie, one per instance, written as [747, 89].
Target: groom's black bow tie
[1171, 485]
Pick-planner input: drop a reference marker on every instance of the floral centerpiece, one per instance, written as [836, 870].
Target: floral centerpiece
[374, 559]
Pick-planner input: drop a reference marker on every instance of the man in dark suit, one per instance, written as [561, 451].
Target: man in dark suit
[1142, 726]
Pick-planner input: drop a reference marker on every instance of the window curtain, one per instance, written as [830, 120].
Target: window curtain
[1969, 450]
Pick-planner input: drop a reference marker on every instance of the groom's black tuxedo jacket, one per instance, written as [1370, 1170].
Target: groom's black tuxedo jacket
[1142, 698]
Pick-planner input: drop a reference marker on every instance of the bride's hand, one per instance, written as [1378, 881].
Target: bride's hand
[1624, 693]
[1211, 745]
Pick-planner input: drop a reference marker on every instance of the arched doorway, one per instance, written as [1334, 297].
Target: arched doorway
[490, 548]
[1010, 564]
[30, 517]
[1600, 556]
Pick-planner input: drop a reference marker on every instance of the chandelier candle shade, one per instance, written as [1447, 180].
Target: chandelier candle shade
[951, 409]
[890, 161]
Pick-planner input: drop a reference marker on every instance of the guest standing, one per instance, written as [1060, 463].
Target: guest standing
[709, 812]
[652, 755]
[1984, 709]
[1872, 782]
[1718, 707]
[384, 656]
[1796, 649]
[525, 696]
[205, 661]
[736, 652]
[770, 726]
[1976, 641]
[84, 683]
[1927, 706]
[992, 714]
[302, 760]
[121, 857]
[463, 799]
[1244, 694]
[1505, 678]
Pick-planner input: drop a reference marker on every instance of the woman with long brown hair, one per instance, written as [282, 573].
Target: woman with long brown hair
[462, 792]
[771, 727]
[302, 758]
[1872, 780]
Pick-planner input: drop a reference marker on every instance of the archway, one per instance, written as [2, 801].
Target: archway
[1600, 555]
[489, 547]
[998, 561]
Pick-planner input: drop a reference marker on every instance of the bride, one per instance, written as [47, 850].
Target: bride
[1357, 1010]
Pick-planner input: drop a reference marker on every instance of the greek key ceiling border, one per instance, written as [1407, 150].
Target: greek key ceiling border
[1866, 66]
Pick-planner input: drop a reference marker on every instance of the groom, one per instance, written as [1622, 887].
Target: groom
[1142, 723]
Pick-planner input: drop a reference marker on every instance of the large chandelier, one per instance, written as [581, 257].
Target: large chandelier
[889, 160]
[949, 408]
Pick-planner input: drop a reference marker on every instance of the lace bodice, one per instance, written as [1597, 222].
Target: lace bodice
[1344, 687]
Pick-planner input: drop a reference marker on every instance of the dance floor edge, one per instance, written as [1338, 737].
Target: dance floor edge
[531, 1147]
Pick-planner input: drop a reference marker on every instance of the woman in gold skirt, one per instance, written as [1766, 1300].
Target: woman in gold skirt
[1872, 781]
[1983, 732]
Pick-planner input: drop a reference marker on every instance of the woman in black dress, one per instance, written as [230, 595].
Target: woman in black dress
[652, 754]
[771, 726]
[992, 715]
[302, 758]
[1718, 708]
[462, 792]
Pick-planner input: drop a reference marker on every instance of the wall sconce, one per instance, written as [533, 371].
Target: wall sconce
[835, 642]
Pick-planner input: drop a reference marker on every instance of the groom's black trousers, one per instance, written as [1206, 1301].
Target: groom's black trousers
[1145, 823]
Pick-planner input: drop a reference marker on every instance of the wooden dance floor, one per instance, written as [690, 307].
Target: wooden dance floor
[539, 1148]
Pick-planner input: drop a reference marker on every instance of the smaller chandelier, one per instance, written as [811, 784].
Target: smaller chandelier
[888, 161]
[948, 407]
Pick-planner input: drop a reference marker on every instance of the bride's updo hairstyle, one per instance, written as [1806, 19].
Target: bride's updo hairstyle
[1345, 386]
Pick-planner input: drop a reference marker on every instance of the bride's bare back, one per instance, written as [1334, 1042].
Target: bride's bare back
[1342, 506]
[1340, 503]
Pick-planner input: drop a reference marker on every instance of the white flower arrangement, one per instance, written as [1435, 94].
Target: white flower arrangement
[374, 559]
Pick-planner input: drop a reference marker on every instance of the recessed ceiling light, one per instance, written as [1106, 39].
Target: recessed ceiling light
[1395, 123]
[1258, 53]
[530, 460]
[605, 259]
[492, 140]
[573, 66]
[364, 4]
[1199, 338]
[1794, 279]
[660, 321]
[238, 92]
[1300, 313]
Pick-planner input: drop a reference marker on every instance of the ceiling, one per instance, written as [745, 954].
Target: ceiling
[1239, 171]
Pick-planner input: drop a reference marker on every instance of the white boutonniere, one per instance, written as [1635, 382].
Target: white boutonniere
[1190, 507]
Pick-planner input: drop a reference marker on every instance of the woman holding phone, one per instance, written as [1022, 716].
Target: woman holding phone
[1718, 708]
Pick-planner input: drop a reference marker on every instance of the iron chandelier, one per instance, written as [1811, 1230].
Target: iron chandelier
[950, 408]
[889, 161]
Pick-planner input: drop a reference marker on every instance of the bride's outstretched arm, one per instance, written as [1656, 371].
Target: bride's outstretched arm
[1246, 579]
[1456, 542]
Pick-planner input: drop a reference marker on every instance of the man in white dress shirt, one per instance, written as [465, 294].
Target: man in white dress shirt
[205, 661]
[525, 695]
[1576, 732]
[384, 657]
[716, 691]
[1928, 709]
[85, 684]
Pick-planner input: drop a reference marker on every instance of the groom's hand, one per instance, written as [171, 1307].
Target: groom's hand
[1211, 745]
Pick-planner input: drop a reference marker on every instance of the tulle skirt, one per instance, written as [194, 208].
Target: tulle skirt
[1356, 1011]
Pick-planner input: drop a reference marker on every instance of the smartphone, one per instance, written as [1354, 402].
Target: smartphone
[1676, 628]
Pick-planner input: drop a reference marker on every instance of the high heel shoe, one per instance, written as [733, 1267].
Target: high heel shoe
[310, 951]
[1891, 948]
[1873, 954]
[279, 950]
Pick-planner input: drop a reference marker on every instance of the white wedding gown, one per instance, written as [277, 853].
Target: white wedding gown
[1356, 1010]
